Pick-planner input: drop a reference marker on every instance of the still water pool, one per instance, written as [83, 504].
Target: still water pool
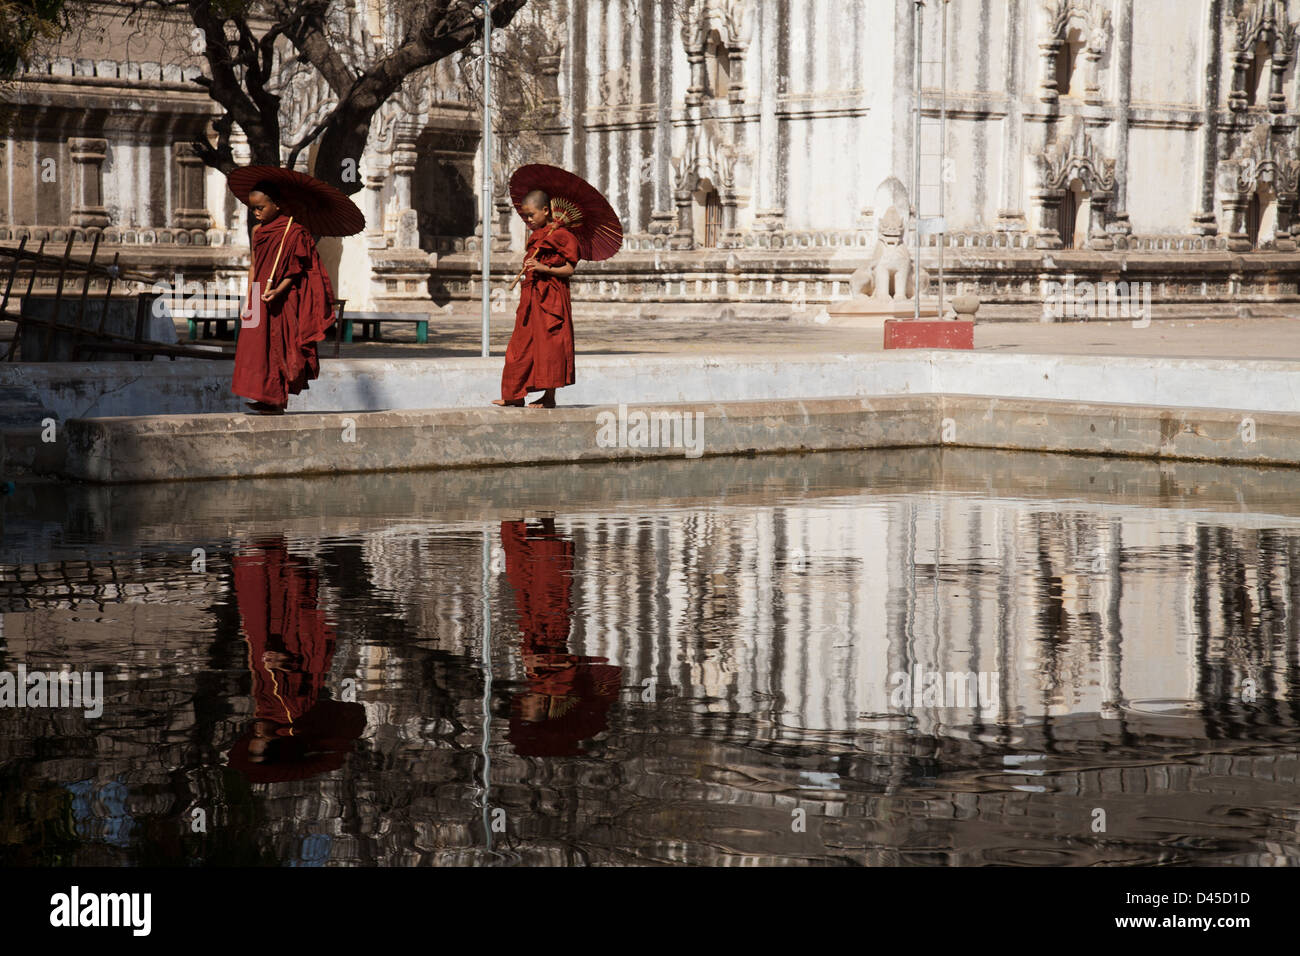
[914, 657]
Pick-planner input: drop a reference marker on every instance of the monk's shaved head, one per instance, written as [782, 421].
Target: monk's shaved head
[538, 199]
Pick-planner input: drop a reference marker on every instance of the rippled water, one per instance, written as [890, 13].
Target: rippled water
[910, 657]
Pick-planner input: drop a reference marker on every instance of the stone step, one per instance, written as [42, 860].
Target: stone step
[185, 447]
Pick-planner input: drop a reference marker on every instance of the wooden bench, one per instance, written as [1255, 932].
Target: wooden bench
[228, 311]
[232, 314]
[371, 321]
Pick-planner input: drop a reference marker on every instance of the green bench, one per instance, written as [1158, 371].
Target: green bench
[231, 313]
[228, 311]
[371, 321]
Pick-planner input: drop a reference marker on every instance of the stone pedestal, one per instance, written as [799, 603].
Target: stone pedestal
[927, 334]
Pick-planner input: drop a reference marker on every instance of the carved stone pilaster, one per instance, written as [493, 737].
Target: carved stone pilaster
[1099, 237]
[503, 208]
[736, 60]
[375, 238]
[1048, 50]
[695, 34]
[1237, 98]
[684, 237]
[190, 210]
[1284, 42]
[663, 222]
[88, 155]
[549, 67]
[739, 25]
[407, 225]
[1234, 220]
[1262, 22]
[1093, 21]
[1046, 206]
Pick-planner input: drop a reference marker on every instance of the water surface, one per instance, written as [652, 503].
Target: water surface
[921, 657]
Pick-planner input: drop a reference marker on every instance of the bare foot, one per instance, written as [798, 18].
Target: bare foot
[501, 402]
[546, 401]
[263, 408]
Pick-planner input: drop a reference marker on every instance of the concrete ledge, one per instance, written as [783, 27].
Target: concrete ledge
[182, 447]
[1144, 431]
[179, 447]
[95, 390]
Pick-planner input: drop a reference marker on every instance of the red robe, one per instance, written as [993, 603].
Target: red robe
[540, 354]
[276, 357]
[568, 696]
[276, 593]
[277, 596]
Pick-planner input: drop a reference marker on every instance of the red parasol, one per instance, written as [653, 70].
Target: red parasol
[576, 205]
[320, 207]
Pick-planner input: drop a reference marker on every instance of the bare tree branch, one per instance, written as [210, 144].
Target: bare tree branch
[246, 43]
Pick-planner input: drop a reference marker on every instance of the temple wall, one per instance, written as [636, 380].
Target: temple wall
[795, 116]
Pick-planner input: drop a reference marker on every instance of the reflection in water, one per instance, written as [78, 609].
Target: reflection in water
[568, 695]
[290, 649]
[702, 650]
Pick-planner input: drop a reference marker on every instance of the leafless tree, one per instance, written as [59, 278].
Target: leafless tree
[246, 45]
[524, 101]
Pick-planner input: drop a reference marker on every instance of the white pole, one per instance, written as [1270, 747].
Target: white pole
[916, 163]
[487, 170]
[943, 152]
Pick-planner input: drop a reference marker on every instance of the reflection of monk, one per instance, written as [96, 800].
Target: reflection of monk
[568, 696]
[294, 734]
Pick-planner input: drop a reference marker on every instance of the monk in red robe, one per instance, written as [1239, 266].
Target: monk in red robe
[568, 697]
[540, 355]
[294, 733]
[276, 353]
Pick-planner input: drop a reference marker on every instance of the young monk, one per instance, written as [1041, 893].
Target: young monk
[276, 353]
[540, 355]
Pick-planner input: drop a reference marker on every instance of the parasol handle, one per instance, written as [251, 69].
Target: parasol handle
[271, 278]
[557, 222]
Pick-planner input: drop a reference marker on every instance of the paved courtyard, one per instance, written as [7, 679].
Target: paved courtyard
[458, 335]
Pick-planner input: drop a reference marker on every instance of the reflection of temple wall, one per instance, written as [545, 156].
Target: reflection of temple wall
[807, 612]
[754, 620]
[1077, 610]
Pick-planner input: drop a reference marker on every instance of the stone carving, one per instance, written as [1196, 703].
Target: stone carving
[1261, 165]
[887, 280]
[732, 20]
[1092, 18]
[722, 165]
[1264, 159]
[1267, 22]
[1072, 156]
[615, 88]
[887, 285]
